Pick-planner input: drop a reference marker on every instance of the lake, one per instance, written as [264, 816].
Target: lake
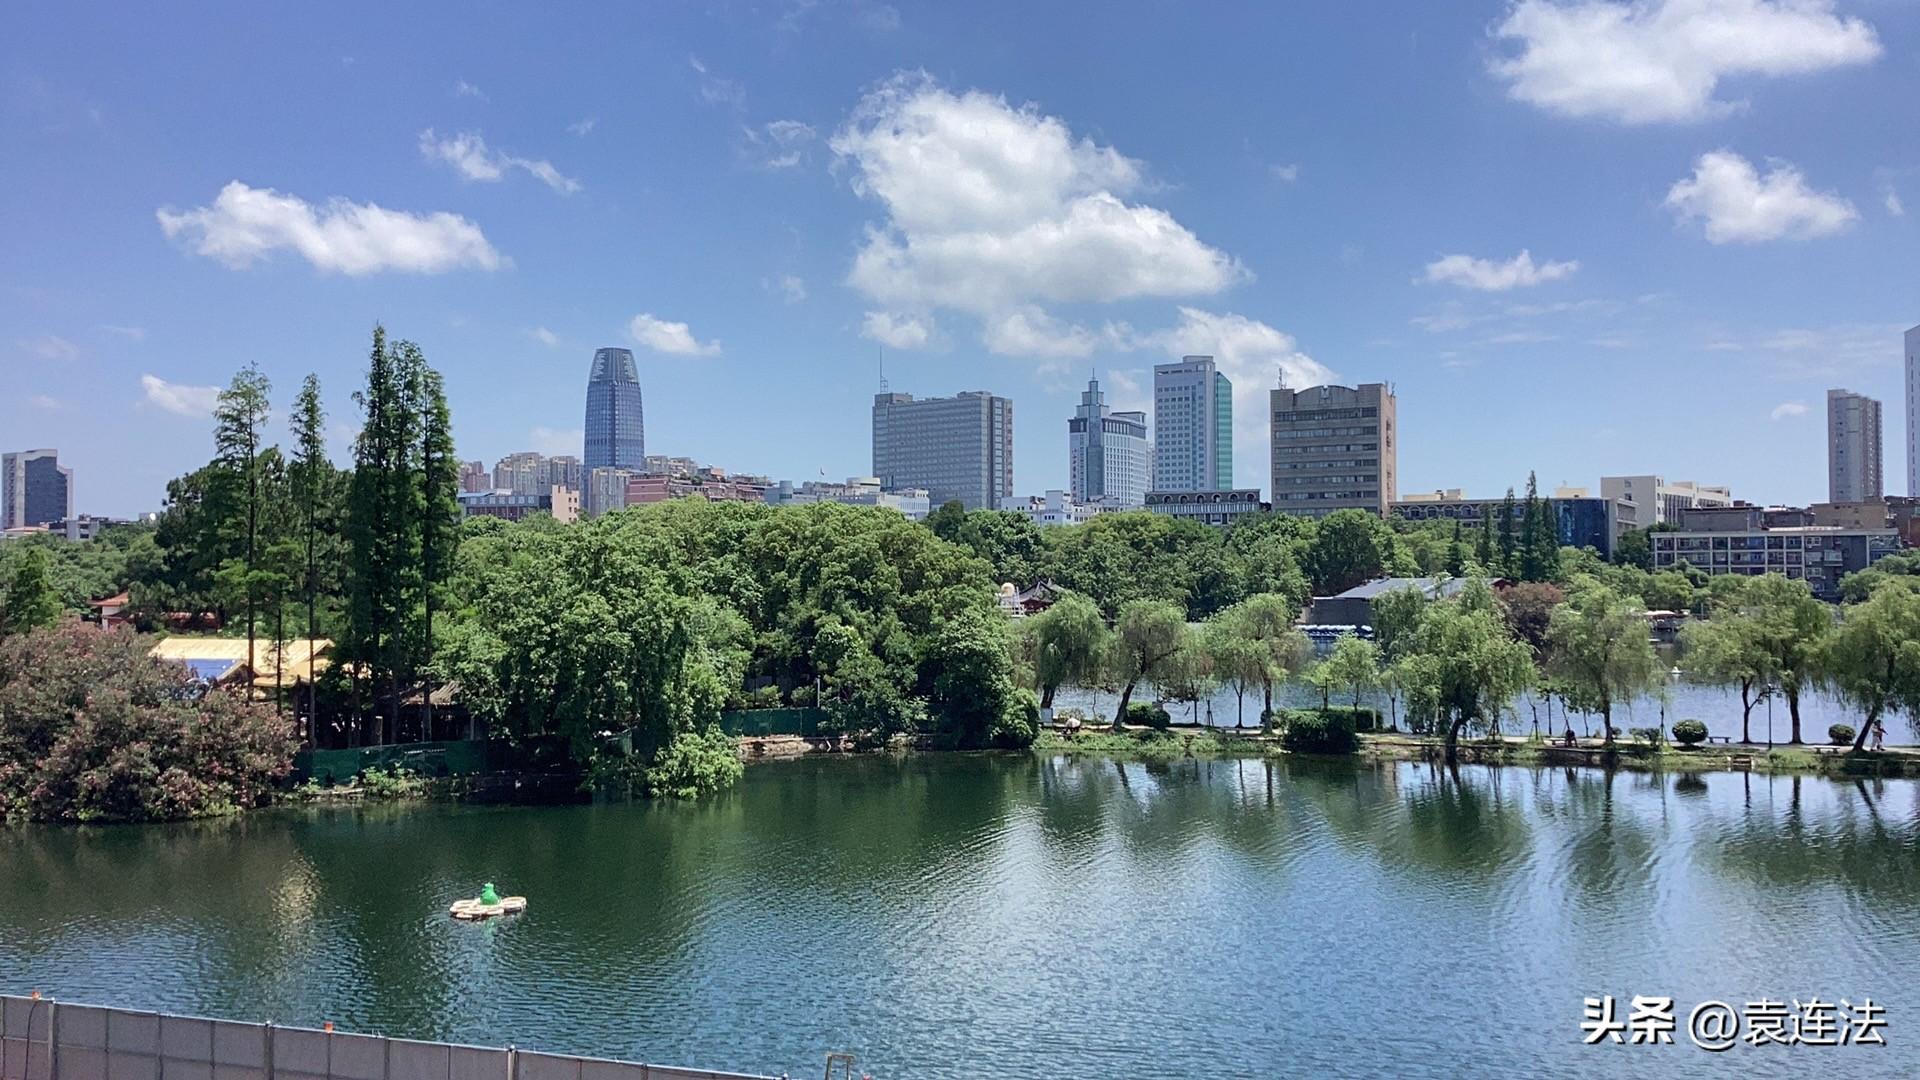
[962, 916]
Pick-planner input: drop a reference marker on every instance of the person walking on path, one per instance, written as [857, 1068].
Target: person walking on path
[1879, 734]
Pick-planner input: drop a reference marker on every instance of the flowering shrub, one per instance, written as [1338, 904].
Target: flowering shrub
[93, 729]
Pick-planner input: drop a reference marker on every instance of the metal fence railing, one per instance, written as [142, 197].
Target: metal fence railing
[41, 1039]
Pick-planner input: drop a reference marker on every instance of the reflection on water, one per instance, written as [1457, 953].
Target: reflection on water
[978, 915]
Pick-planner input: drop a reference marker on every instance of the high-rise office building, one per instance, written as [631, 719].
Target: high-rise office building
[616, 433]
[1854, 464]
[1333, 448]
[1913, 411]
[1107, 452]
[1192, 426]
[35, 489]
[957, 448]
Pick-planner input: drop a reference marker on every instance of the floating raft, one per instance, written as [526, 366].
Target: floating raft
[474, 909]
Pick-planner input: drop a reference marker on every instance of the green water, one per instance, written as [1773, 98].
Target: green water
[959, 916]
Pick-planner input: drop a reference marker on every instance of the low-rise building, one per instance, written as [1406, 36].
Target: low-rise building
[1351, 612]
[1659, 502]
[562, 503]
[1056, 507]
[1579, 521]
[1221, 508]
[1740, 541]
[914, 503]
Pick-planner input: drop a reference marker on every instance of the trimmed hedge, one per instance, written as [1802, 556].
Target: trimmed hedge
[1689, 732]
[1147, 714]
[1318, 731]
[1841, 734]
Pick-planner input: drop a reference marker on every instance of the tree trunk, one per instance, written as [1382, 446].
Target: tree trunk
[1747, 702]
[1860, 737]
[1240, 710]
[1793, 710]
[1046, 697]
[1126, 695]
[1606, 718]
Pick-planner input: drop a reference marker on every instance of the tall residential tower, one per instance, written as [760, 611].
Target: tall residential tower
[1333, 449]
[616, 431]
[957, 448]
[1913, 411]
[1192, 426]
[1107, 452]
[1854, 464]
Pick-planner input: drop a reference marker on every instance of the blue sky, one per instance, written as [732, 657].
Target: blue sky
[1579, 238]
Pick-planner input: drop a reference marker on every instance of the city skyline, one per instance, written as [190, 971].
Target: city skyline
[1686, 271]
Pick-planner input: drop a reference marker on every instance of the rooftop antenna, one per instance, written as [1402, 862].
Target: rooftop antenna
[1280, 375]
[883, 367]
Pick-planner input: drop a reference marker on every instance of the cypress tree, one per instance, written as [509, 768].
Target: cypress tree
[1457, 552]
[440, 521]
[240, 411]
[1509, 540]
[1483, 549]
[309, 460]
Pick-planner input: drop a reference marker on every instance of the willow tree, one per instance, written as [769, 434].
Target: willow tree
[1601, 650]
[1066, 644]
[1873, 658]
[1148, 635]
[1461, 665]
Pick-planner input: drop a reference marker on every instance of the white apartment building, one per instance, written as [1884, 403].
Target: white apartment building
[1192, 426]
[1855, 468]
[1108, 455]
[1657, 501]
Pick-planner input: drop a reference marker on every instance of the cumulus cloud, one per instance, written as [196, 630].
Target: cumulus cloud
[895, 330]
[131, 333]
[1487, 275]
[792, 288]
[715, 90]
[463, 88]
[180, 399]
[781, 144]
[44, 401]
[246, 224]
[584, 127]
[1287, 173]
[1737, 205]
[1251, 354]
[468, 153]
[675, 338]
[1660, 61]
[544, 336]
[1786, 409]
[1032, 332]
[996, 210]
[1893, 203]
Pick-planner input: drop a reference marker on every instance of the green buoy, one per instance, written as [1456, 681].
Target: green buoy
[487, 895]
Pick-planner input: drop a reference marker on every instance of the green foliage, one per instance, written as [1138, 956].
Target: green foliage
[1254, 643]
[695, 763]
[1066, 644]
[1319, 731]
[1461, 667]
[393, 783]
[1668, 590]
[1353, 664]
[1873, 659]
[30, 602]
[1349, 548]
[1856, 587]
[93, 729]
[1600, 651]
[1840, 734]
[1148, 635]
[1732, 649]
[1689, 732]
[1149, 715]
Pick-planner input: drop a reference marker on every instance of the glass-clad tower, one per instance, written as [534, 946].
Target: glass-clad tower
[616, 433]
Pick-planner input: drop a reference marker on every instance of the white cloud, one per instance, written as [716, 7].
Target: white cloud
[1739, 206]
[783, 142]
[1253, 355]
[1032, 332]
[895, 330]
[669, 337]
[463, 88]
[792, 288]
[131, 333]
[715, 90]
[995, 210]
[585, 126]
[1660, 61]
[43, 401]
[554, 442]
[179, 399]
[1487, 275]
[1786, 409]
[1893, 203]
[1286, 173]
[51, 347]
[467, 152]
[246, 224]
[544, 336]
